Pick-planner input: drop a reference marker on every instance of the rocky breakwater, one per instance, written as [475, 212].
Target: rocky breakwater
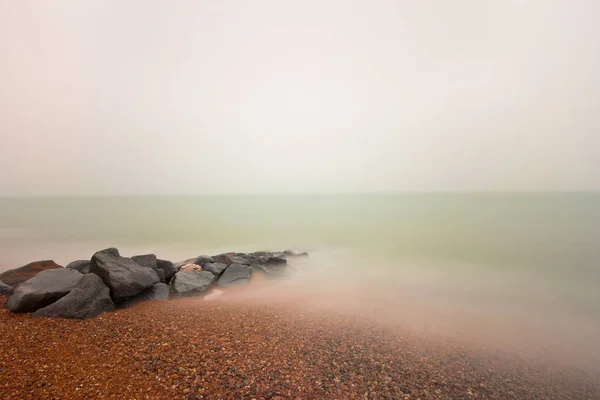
[87, 288]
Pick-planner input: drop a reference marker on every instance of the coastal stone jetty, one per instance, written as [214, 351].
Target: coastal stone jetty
[86, 288]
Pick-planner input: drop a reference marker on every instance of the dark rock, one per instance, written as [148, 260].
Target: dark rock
[82, 266]
[15, 277]
[167, 267]
[159, 291]
[267, 258]
[146, 260]
[231, 258]
[215, 268]
[5, 289]
[202, 260]
[89, 298]
[43, 289]
[150, 261]
[192, 283]
[235, 274]
[125, 277]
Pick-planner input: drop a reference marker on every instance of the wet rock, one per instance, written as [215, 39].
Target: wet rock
[15, 277]
[159, 291]
[43, 289]
[125, 277]
[235, 274]
[5, 289]
[82, 266]
[215, 268]
[89, 298]
[192, 283]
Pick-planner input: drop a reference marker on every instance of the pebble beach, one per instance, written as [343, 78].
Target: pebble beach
[196, 349]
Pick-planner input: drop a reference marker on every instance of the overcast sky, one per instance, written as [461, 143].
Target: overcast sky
[237, 96]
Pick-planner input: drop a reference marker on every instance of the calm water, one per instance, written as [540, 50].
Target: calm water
[512, 252]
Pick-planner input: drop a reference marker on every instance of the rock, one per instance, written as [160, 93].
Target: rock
[82, 266]
[125, 277]
[89, 298]
[267, 258]
[15, 277]
[215, 268]
[161, 275]
[191, 268]
[203, 260]
[231, 258]
[5, 289]
[235, 274]
[159, 291]
[167, 267]
[146, 260]
[43, 289]
[192, 283]
[150, 261]
[295, 253]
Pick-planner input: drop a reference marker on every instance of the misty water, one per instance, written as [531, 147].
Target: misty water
[518, 271]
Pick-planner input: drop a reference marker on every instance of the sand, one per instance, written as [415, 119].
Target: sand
[197, 349]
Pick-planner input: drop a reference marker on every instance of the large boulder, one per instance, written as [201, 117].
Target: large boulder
[215, 268]
[235, 274]
[150, 261]
[192, 283]
[15, 277]
[122, 275]
[232, 258]
[146, 260]
[82, 266]
[43, 289]
[5, 289]
[167, 267]
[89, 298]
[159, 291]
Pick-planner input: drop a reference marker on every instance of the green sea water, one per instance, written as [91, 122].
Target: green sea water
[480, 258]
[550, 233]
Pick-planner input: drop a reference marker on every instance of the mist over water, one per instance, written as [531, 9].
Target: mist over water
[520, 272]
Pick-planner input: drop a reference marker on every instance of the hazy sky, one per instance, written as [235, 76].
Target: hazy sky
[222, 96]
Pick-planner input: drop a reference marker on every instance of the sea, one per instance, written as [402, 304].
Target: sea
[513, 268]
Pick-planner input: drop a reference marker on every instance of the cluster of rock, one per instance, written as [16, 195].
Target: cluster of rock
[87, 288]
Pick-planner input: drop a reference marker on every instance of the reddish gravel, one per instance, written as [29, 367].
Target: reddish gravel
[195, 349]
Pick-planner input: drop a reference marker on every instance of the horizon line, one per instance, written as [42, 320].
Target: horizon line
[420, 192]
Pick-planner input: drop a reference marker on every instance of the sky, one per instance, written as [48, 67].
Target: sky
[107, 97]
